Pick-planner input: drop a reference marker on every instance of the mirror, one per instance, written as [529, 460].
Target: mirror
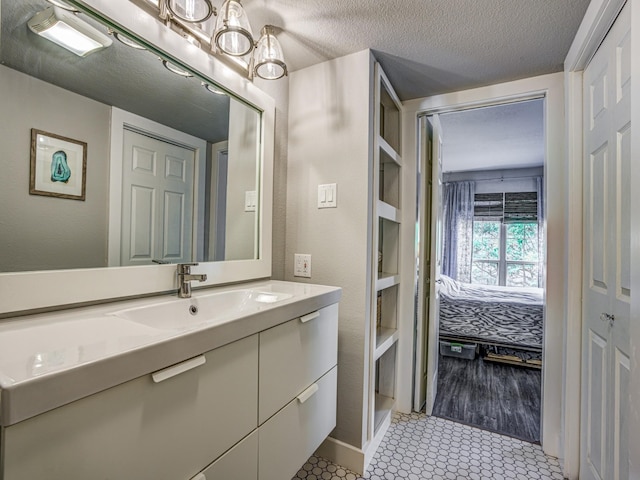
[173, 163]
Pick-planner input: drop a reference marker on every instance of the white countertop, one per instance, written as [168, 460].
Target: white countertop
[50, 359]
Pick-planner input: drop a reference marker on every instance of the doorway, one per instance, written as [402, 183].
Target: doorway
[482, 361]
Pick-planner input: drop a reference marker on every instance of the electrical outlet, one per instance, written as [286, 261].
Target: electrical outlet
[302, 265]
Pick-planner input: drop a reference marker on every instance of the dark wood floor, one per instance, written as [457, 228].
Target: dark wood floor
[491, 396]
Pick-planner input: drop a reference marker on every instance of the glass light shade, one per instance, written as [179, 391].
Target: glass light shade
[269, 59]
[233, 34]
[192, 11]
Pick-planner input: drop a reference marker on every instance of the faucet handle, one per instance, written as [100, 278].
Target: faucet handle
[186, 267]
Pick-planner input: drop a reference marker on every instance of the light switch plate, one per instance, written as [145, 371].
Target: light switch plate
[250, 201]
[302, 265]
[327, 196]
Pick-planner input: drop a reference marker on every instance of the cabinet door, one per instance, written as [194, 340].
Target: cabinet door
[293, 355]
[169, 430]
[289, 438]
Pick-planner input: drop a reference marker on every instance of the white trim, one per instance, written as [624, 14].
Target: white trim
[120, 120]
[31, 291]
[596, 22]
[573, 287]
[552, 87]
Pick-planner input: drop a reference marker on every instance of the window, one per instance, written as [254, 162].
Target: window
[505, 240]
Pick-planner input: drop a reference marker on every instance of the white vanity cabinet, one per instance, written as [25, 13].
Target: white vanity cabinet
[253, 409]
[298, 381]
[141, 429]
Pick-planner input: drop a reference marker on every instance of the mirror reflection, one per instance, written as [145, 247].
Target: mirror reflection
[172, 162]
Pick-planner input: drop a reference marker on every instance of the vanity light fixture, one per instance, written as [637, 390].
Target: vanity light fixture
[67, 30]
[231, 36]
[269, 59]
[193, 11]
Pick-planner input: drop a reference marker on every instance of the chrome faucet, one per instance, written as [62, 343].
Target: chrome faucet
[185, 277]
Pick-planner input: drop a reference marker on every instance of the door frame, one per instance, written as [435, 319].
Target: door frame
[550, 86]
[596, 23]
[121, 120]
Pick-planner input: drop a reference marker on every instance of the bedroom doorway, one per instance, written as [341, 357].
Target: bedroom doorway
[479, 343]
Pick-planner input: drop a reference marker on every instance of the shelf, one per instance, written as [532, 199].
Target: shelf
[388, 212]
[383, 407]
[386, 280]
[389, 154]
[385, 339]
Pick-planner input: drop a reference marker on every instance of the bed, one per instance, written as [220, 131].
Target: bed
[506, 321]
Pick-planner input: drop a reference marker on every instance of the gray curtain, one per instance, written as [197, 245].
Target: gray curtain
[541, 224]
[457, 218]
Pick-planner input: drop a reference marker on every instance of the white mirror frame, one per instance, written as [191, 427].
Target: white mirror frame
[30, 291]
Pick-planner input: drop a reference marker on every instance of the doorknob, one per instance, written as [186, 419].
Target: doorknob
[608, 317]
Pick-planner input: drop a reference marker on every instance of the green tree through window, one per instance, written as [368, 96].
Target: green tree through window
[505, 253]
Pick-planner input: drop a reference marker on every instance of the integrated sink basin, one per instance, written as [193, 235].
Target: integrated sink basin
[211, 309]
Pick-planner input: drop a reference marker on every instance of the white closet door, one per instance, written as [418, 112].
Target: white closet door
[607, 244]
[157, 185]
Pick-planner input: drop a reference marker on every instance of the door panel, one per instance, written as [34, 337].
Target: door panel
[597, 220]
[620, 425]
[142, 224]
[596, 427]
[436, 266]
[423, 266]
[175, 224]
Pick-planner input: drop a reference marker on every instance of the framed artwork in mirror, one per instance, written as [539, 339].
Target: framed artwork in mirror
[58, 166]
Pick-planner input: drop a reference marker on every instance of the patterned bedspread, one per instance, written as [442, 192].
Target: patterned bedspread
[501, 315]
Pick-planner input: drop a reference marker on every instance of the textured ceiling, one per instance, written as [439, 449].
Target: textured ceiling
[428, 46]
[504, 136]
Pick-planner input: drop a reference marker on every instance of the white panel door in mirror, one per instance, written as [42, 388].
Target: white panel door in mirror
[158, 187]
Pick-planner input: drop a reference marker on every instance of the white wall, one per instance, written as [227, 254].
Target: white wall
[555, 185]
[329, 142]
[41, 232]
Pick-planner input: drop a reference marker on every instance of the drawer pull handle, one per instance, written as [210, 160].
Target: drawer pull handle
[310, 316]
[308, 393]
[167, 373]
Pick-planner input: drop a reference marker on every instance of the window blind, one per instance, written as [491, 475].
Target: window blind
[507, 207]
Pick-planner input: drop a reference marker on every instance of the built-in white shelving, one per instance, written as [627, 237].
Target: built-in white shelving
[386, 236]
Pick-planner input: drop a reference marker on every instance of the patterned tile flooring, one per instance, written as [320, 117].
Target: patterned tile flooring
[418, 447]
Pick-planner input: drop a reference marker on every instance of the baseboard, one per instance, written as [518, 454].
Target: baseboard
[350, 457]
[342, 454]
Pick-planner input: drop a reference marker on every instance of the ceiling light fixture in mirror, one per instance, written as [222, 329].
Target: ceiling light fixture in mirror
[225, 32]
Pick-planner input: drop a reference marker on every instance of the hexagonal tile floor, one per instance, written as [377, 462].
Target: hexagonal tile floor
[418, 447]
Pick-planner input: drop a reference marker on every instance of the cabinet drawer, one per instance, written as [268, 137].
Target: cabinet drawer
[141, 429]
[239, 463]
[289, 438]
[293, 355]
